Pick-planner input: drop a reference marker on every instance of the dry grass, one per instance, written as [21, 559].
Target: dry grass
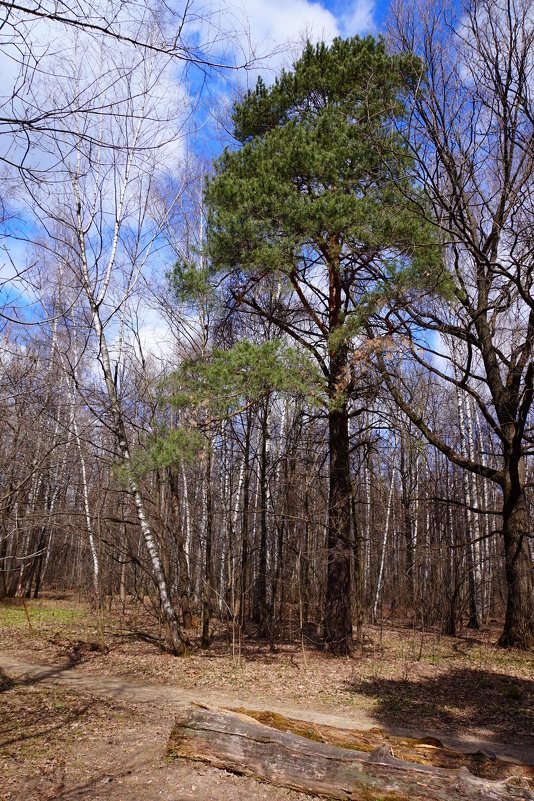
[459, 685]
[59, 744]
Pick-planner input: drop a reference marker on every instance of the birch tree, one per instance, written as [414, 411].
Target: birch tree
[98, 226]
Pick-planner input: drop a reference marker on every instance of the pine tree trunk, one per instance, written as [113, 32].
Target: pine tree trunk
[338, 606]
[338, 602]
[244, 527]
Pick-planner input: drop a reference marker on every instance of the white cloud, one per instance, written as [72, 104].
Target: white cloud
[280, 21]
[156, 338]
[273, 31]
[358, 18]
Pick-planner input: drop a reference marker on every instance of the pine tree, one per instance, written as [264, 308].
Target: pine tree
[318, 195]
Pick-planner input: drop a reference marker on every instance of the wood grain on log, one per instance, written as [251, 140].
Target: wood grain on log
[238, 743]
[423, 750]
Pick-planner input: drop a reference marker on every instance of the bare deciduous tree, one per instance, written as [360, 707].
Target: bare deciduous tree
[472, 137]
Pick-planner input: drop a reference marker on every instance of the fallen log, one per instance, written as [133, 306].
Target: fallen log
[238, 743]
[423, 750]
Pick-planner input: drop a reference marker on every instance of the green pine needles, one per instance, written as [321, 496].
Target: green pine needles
[232, 380]
[323, 173]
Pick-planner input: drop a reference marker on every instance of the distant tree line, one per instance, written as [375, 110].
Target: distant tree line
[336, 428]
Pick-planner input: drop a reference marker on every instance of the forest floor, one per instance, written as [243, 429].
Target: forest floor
[88, 701]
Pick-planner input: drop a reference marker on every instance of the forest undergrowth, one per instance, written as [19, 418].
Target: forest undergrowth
[66, 742]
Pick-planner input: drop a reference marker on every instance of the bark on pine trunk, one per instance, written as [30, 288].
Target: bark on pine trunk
[243, 590]
[338, 613]
[206, 595]
[338, 602]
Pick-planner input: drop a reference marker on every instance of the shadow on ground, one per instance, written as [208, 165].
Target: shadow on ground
[460, 701]
[35, 717]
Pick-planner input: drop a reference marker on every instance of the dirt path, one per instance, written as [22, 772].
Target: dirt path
[71, 737]
[170, 697]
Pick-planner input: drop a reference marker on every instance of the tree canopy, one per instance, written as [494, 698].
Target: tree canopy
[322, 173]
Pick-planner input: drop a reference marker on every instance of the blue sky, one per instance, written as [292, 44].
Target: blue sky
[378, 9]
[278, 26]
[279, 19]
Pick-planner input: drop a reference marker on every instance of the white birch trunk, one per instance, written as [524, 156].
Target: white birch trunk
[367, 543]
[178, 637]
[187, 518]
[384, 543]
